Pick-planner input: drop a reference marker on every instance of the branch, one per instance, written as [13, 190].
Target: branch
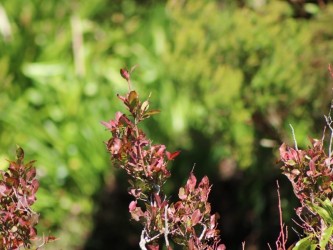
[282, 239]
[203, 232]
[143, 241]
[166, 226]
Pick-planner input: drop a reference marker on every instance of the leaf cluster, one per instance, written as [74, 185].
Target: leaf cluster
[310, 173]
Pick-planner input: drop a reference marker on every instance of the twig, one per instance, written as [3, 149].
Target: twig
[294, 137]
[269, 246]
[143, 241]
[203, 232]
[282, 239]
[166, 226]
[329, 121]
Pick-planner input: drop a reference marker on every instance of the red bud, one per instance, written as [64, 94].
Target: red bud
[125, 74]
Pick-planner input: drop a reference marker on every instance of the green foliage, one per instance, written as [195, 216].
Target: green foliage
[306, 244]
[258, 70]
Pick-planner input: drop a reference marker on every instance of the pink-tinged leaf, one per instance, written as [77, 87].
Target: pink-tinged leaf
[35, 186]
[123, 99]
[213, 220]
[190, 245]
[50, 238]
[158, 200]
[132, 206]
[115, 146]
[182, 194]
[330, 70]
[31, 174]
[221, 247]
[204, 182]
[312, 164]
[33, 232]
[191, 182]
[196, 217]
[118, 116]
[109, 125]
[286, 153]
[135, 192]
[161, 149]
[3, 190]
[135, 211]
[153, 247]
[12, 182]
[172, 156]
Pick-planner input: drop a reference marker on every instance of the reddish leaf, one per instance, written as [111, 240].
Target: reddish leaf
[191, 182]
[50, 238]
[153, 247]
[132, 206]
[196, 217]
[221, 247]
[173, 155]
[12, 182]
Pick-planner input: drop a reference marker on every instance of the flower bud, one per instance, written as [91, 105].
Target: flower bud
[125, 74]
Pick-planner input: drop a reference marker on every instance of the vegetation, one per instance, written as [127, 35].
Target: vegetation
[230, 78]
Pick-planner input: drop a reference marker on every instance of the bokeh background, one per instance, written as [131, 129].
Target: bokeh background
[228, 76]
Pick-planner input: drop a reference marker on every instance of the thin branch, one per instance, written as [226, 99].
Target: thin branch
[282, 239]
[166, 226]
[269, 246]
[203, 232]
[143, 241]
[294, 137]
[329, 122]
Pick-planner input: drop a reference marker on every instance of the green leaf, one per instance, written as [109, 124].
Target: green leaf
[323, 212]
[305, 244]
[325, 237]
[311, 8]
[328, 206]
[291, 162]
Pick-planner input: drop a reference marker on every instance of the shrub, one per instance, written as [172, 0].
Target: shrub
[187, 222]
[18, 187]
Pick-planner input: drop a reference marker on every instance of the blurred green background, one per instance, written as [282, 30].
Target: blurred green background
[228, 76]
